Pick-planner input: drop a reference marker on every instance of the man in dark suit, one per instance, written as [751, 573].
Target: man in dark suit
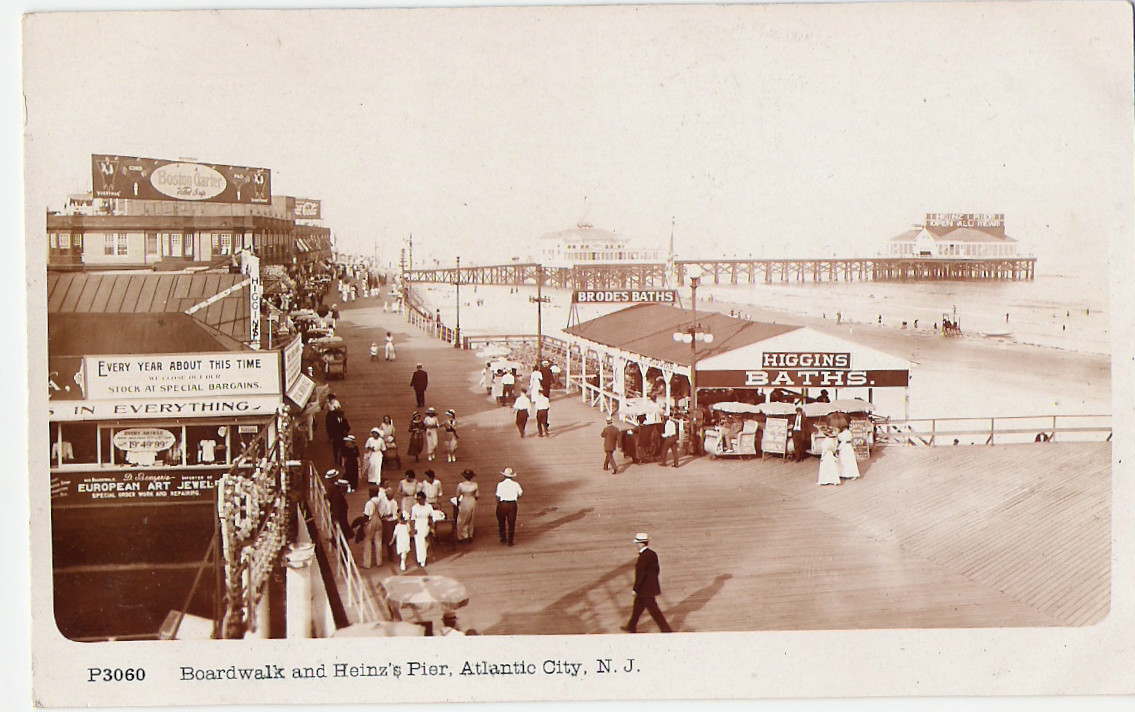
[419, 382]
[646, 586]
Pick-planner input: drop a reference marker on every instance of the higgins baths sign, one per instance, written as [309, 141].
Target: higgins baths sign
[804, 369]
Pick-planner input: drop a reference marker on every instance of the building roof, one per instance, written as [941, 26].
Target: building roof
[582, 233]
[155, 333]
[133, 293]
[957, 234]
[648, 329]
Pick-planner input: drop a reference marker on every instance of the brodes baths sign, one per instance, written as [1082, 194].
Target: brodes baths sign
[157, 179]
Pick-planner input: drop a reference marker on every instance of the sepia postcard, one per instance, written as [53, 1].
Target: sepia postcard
[643, 352]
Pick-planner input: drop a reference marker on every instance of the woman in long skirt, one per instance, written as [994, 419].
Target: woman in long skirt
[829, 461]
[466, 506]
[422, 516]
[372, 457]
[450, 429]
[417, 437]
[848, 467]
[431, 424]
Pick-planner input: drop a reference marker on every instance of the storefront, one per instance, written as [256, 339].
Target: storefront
[137, 446]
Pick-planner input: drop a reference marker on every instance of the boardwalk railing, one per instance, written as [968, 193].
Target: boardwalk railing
[356, 593]
[990, 431]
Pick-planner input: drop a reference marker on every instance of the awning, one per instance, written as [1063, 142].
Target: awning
[301, 245]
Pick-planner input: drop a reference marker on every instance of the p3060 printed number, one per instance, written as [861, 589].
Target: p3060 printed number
[116, 674]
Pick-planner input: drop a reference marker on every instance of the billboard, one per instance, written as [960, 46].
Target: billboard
[981, 221]
[159, 179]
[305, 208]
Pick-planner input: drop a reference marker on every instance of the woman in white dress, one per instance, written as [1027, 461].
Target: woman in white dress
[431, 424]
[848, 467]
[422, 516]
[829, 461]
[372, 457]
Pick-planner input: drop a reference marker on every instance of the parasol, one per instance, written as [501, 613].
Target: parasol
[425, 595]
[852, 405]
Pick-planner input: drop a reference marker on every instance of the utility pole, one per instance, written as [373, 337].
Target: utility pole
[457, 328]
[540, 299]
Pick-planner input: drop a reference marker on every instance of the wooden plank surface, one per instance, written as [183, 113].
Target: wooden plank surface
[977, 536]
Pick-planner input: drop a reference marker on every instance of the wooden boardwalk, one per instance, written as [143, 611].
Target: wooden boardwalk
[1009, 535]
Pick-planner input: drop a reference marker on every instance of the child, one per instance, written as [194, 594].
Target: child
[373, 351]
[401, 538]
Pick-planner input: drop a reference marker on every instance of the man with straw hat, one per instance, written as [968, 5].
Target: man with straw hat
[508, 492]
[646, 586]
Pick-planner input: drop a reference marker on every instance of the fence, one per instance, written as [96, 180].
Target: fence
[359, 599]
[990, 431]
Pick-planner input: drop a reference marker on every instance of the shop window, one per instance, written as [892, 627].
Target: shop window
[208, 444]
[54, 240]
[123, 243]
[108, 244]
[64, 241]
[74, 444]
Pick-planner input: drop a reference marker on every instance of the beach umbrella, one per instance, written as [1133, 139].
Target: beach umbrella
[736, 407]
[425, 595]
[777, 408]
[852, 405]
[381, 629]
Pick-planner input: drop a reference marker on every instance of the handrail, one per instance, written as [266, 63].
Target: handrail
[1004, 429]
[358, 593]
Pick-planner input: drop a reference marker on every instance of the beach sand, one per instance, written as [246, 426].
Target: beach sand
[968, 377]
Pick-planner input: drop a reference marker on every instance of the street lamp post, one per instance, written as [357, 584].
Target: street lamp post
[692, 334]
[457, 327]
[540, 300]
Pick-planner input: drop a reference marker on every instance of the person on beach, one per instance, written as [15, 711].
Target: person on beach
[422, 515]
[372, 456]
[431, 488]
[646, 587]
[419, 382]
[389, 345]
[610, 435]
[408, 490]
[417, 436]
[450, 429]
[400, 538]
[508, 494]
[848, 467]
[521, 407]
[542, 405]
[431, 425]
[467, 492]
[829, 460]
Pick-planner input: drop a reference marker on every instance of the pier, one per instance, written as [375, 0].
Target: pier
[734, 272]
[951, 537]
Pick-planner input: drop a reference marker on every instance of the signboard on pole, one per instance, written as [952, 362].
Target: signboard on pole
[158, 179]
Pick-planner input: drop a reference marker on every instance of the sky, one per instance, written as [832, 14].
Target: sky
[768, 131]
